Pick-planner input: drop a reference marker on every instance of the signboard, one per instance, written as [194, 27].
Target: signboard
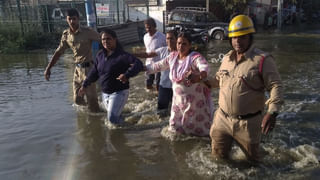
[102, 10]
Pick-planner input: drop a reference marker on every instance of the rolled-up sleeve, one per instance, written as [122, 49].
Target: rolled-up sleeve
[273, 84]
[201, 64]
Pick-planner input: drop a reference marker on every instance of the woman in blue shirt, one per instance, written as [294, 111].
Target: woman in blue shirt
[113, 67]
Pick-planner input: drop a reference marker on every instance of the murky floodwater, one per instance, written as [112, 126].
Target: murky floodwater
[42, 136]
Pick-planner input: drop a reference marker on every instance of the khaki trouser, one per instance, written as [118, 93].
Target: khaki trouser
[246, 132]
[91, 92]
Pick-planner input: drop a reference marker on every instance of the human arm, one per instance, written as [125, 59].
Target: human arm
[158, 66]
[273, 84]
[52, 62]
[59, 51]
[145, 54]
[200, 63]
[135, 66]
[94, 35]
[92, 76]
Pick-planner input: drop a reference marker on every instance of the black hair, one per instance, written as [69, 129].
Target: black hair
[150, 22]
[72, 12]
[113, 34]
[186, 35]
[174, 32]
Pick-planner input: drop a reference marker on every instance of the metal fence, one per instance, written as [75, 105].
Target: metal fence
[52, 18]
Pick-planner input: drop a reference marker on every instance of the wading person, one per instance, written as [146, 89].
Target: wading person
[153, 39]
[79, 39]
[191, 111]
[113, 67]
[165, 85]
[243, 77]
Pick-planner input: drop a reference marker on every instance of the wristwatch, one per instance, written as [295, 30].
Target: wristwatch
[273, 113]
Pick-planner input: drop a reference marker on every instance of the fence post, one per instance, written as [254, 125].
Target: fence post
[47, 18]
[123, 12]
[92, 22]
[118, 12]
[279, 18]
[20, 18]
[147, 4]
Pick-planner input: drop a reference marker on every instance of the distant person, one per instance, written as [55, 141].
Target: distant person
[254, 20]
[165, 86]
[244, 75]
[293, 12]
[79, 39]
[113, 67]
[270, 22]
[191, 111]
[153, 40]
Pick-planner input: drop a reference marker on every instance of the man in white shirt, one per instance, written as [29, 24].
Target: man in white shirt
[165, 86]
[153, 40]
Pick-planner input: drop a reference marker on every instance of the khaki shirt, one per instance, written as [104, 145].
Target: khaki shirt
[80, 43]
[237, 97]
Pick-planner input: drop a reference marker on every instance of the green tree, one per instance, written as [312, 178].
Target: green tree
[235, 4]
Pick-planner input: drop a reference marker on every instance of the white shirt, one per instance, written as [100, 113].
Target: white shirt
[165, 81]
[152, 43]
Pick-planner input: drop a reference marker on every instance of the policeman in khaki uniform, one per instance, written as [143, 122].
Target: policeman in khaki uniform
[79, 39]
[243, 77]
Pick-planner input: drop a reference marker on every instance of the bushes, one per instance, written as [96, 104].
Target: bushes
[10, 39]
[13, 41]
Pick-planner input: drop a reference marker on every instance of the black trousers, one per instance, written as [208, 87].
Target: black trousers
[164, 97]
[151, 77]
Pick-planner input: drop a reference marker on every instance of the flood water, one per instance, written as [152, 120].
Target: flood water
[43, 136]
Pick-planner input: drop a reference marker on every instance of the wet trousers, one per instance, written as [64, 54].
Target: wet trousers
[164, 97]
[79, 76]
[150, 79]
[114, 104]
[246, 132]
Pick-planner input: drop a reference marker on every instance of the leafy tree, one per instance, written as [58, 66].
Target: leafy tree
[234, 4]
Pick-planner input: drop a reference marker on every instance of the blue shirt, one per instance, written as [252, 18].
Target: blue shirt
[165, 81]
[108, 68]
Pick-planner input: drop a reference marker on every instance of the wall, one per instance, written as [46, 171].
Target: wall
[155, 12]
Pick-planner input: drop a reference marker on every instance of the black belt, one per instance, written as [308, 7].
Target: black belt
[246, 116]
[84, 64]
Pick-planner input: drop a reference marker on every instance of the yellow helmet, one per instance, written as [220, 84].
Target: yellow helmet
[240, 25]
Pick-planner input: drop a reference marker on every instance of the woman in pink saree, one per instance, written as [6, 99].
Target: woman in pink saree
[192, 109]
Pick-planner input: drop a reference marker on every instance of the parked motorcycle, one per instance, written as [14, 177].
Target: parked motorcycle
[199, 36]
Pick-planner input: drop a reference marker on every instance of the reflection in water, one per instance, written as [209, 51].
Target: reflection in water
[103, 150]
[54, 140]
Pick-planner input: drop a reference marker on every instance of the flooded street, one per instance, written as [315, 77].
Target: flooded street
[43, 136]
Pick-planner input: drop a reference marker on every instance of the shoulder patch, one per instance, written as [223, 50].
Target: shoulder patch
[261, 53]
